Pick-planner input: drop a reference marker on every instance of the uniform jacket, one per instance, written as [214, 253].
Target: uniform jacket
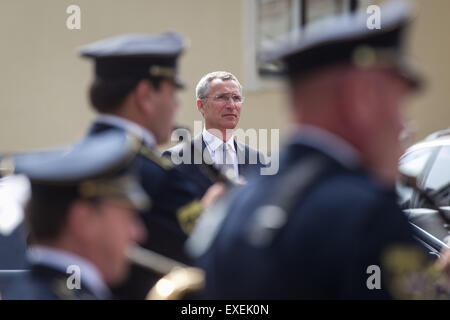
[340, 225]
[44, 283]
[169, 190]
[173, 211]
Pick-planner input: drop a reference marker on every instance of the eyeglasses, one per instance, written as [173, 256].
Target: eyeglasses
[224, 98]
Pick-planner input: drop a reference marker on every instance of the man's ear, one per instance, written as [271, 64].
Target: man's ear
[201, 106]
[144, 95]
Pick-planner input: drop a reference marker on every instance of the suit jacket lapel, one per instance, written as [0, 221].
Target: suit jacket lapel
[206, 157]
[206, 161]
[242, 155]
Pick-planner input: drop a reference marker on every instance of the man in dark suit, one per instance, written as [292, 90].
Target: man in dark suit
[134, 91]
[219, 100]
[82, 218]
[327, 226]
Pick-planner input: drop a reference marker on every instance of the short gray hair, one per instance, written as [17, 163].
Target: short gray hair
[203, 86]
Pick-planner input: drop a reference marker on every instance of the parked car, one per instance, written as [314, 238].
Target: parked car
[424, 189]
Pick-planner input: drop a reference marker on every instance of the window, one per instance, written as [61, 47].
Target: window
[439, 176]
[413, 164]
[268, 19]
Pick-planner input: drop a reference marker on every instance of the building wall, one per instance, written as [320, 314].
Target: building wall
[430, 47]
[43, 97]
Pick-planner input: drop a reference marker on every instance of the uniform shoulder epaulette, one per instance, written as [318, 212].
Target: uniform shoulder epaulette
[188, 215]
[148, 153]
[60, 289]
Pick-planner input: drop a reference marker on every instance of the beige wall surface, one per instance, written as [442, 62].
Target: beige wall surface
[43, 99]
[430, 47]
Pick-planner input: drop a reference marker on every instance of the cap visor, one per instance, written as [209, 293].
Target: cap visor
[414, 78]
[178, 82]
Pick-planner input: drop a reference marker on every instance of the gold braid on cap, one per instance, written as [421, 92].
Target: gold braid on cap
[367, 57]
[125, 188]
[102, 188]
[158, 71]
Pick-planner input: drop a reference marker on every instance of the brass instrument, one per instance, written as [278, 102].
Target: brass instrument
[177, 283]
[178, 280]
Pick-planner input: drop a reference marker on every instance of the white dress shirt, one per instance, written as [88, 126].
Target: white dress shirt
[60, 260]
[215, 145]
[129, 126]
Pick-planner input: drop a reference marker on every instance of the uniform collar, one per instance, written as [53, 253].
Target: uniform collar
[60, 260]
[330, 144]
[129, 126]
[213, 142]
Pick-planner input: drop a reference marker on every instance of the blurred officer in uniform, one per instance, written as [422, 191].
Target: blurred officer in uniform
[134, 90]
[328, 225]
[219, 100]
[82, 217]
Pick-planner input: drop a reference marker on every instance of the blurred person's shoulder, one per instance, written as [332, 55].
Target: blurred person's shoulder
[41, 283]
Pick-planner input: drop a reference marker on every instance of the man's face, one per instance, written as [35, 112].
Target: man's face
[395, 91]
[390, 93]
[165, 106]
[221, 109]
[118, 228]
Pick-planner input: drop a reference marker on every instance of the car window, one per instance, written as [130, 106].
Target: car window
[440, 172]
[414, 163]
